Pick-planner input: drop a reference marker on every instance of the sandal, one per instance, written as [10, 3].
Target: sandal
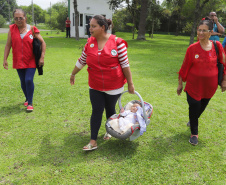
[89, 147]
[107, 136]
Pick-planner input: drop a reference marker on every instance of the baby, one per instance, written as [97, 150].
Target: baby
[128, 118]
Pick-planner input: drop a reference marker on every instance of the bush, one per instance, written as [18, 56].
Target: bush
[2, 21]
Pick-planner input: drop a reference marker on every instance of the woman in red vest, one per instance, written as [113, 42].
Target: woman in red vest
[200, 72]
[108, 68]
[21, 40]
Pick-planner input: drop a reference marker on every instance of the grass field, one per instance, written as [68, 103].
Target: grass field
[45, 146]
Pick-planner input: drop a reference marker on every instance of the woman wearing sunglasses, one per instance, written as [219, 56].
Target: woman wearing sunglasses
[20, 39]
[199, 71]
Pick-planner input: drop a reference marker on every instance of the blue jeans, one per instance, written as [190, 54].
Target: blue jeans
[27, 84]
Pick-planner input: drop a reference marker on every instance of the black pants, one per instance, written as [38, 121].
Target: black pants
[196, 108]
[68, 32]
[100, 101]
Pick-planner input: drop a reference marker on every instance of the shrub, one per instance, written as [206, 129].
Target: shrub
[2, 21]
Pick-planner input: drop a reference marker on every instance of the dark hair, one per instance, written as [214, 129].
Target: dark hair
[101, 20]
[208, 23]
[19, 10]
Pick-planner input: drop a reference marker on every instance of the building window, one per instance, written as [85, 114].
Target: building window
[81, 20]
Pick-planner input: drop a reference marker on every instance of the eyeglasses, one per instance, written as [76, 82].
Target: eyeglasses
[213, 15]
[19, 18]
[204, 31]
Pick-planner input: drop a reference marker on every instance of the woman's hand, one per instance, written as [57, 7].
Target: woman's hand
[72, 80]
[5, 64]
[41, 62]
[131, 88]
[223, 85]
[179, 89]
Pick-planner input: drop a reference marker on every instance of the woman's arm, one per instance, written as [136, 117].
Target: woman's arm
[7, 50]
[74, 72]
[128, 75]
[223, 84]
[180, 86]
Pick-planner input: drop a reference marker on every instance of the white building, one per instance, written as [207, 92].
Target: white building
[87, 9]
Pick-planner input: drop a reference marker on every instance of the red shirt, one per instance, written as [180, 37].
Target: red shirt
[22, 49]
[200, 71]
[68, 22]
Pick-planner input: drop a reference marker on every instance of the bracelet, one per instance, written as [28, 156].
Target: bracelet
[72, 75]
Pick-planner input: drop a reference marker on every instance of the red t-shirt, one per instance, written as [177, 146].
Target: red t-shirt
[200, 71]
[68, 22]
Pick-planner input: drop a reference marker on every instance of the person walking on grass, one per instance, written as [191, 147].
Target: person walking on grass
[21, 40]
[199, 71]
[108, 68]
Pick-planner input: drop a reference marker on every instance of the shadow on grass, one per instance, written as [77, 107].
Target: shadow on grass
[6, 111]
[70, 152]
[175, 145]
[115, 150]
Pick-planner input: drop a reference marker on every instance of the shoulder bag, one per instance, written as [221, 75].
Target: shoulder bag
[220, 66]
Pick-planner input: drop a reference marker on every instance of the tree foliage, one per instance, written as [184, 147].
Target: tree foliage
[56, 16]
[2, 21]
[6, 9]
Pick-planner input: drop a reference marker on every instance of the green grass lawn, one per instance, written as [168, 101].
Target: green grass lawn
[45, 146]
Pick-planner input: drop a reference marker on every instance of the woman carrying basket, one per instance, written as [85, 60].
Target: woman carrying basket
[108, 68]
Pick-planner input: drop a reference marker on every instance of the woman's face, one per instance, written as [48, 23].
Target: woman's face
[19, 18]
[203, 32]
[95, 28]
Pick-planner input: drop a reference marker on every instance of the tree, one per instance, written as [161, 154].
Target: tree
[120, 19]
[62, 11]
[177, 7]
[58, 16]
[198, 9]
[142, 22]
[76, 20]
[6, 8]
[155, 12]
[2, 21]
[138, 16]
[39, 13]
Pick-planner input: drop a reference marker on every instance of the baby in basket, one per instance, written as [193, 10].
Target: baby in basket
[127, 118]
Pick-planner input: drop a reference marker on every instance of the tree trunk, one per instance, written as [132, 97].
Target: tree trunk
[142, 22]
[133, 26]
[152, 28]
[76, 20]
[198, 10]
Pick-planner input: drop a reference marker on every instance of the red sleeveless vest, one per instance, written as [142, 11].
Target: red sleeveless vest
[22, 49]
[105, 72]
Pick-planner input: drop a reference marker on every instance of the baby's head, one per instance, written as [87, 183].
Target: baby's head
[134, 107]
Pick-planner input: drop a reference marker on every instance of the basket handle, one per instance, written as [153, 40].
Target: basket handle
[142, 103]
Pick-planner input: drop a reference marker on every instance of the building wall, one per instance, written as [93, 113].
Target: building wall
[88, 8]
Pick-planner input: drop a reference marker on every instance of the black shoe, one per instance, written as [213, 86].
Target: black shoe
[188, 124]
[193, 140]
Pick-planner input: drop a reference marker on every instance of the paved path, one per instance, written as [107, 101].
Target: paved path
[4, 30]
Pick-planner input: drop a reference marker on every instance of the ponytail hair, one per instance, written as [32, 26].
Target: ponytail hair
[101, 20]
